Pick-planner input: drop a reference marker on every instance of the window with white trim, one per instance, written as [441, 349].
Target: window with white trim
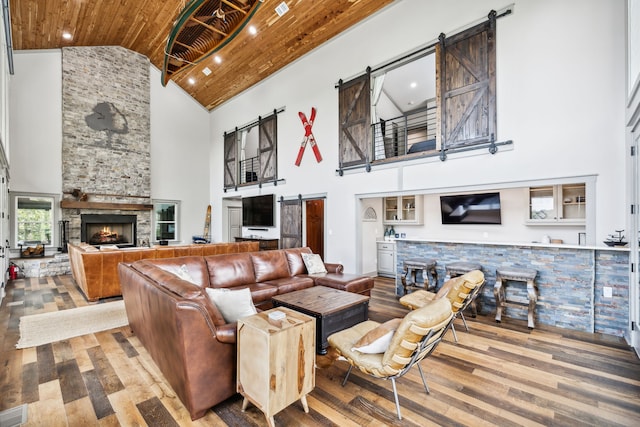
[165, 220]
[33, 218]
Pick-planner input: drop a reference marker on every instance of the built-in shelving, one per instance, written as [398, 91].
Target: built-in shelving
[403, 210]
[561, 204]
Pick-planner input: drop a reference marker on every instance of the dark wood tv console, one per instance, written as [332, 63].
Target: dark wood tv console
[265, 244]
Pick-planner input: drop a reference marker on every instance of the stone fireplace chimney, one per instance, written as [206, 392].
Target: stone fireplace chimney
[106, 159]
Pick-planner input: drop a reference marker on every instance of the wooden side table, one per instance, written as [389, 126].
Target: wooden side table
[276, 361]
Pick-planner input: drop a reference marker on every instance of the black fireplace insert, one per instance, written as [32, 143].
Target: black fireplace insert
[109, 229]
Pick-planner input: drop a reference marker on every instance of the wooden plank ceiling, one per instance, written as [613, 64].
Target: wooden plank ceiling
[144, 25]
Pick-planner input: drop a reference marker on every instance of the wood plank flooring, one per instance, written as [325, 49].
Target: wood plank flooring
[497, 374]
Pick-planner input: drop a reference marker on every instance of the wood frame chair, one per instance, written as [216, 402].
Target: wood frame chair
[461, 291]
[416, 337]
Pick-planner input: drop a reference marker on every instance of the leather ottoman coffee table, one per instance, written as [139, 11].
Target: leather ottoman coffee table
[333, 309]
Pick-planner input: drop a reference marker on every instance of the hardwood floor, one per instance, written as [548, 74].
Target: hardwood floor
[497, 374]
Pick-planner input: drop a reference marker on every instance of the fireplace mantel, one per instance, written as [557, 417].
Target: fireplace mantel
[77, 204]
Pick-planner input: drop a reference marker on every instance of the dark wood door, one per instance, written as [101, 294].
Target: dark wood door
[315, 225]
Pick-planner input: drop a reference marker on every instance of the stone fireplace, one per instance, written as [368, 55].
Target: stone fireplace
[108, 229]
[106, 144]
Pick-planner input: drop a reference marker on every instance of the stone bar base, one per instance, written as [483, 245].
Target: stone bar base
[570, 280]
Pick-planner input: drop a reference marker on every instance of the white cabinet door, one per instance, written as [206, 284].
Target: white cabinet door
[386, 259]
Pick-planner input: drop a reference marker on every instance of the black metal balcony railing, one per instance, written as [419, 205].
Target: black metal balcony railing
[410, 133]
[249, 169]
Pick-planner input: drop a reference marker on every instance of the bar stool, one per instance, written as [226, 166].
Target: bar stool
[523, 275]
[411, 267]
[458, 268]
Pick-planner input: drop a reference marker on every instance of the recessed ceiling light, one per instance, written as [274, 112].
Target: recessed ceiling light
[192, 81]
[67, 36]
[206, 71]
[217, 59]
[413, 85]
[252, 30]
[282, 8]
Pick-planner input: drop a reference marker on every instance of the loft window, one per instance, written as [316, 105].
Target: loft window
[33, 218]
[165, 219]
[250, 153]
[382, 118]
[403, 108]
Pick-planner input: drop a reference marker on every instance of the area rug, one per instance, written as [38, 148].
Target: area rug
[38, 329]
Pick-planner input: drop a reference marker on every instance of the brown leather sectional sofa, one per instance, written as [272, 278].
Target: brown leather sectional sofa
[183, 330]
[96, 271]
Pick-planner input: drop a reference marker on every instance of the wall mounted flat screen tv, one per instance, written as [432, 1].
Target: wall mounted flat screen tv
[481, 208]
[258, 211]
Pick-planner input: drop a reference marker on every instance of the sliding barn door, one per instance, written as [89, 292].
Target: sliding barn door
[290, 223]
[267, 148]
[467, 86]
[354, 112]
[230, 159]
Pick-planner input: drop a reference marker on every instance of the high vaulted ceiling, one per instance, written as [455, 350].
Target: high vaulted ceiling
[144, 25]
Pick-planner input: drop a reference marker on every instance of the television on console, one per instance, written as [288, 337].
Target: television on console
[258, 211]
[482, 208]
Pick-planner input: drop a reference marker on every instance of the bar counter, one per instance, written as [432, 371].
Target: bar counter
[571, 279]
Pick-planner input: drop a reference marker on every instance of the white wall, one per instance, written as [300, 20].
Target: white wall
[514, 210]
[371, 232]
[179, 153]
[179, 137]
[35, 124]
[560, 95]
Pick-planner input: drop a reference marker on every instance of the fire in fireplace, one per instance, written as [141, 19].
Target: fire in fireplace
[108, 229]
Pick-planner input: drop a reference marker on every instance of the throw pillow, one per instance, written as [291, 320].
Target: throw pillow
[378, 339]
[183, 273]
[233, 305]
[314, 263]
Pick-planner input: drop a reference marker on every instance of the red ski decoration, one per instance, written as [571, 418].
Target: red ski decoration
[308, 137]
